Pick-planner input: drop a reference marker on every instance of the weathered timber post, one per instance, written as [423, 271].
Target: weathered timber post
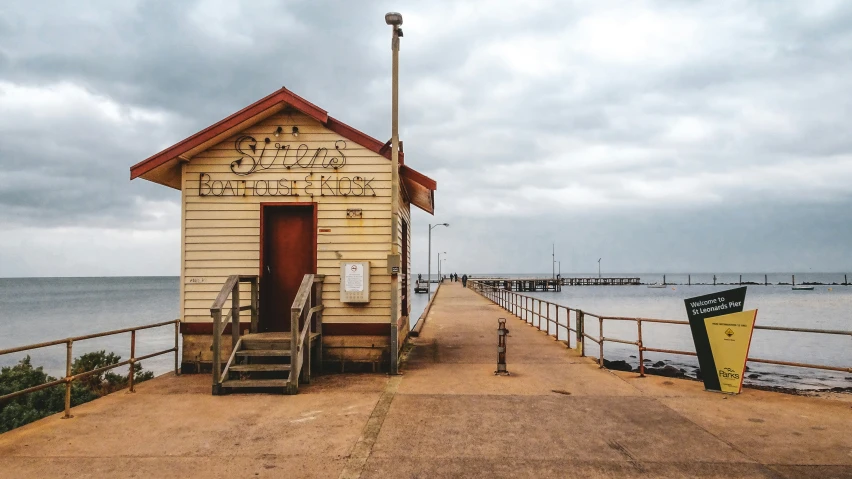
[581, 338]
[539, 314]
[318, 316]
[689, 279]
[502, 332]
[766, 280]
[177, 348]
[293, 384]
[235, 315]
[217, 351]
[254, 311]
[132, 360]
[741, 280]
[641, 351]
[68, 359]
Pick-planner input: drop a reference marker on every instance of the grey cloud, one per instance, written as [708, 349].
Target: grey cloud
[756, 91]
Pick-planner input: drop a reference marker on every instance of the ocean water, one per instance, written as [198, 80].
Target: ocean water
[42, 309]
[34, 310]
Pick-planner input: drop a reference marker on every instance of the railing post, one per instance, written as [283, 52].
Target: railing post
[641, 351]
[132, 358]
[550, 320]
[217, 351]
[254, 310]
[235, 315]
[306, 348]
[177, 347]
[319, 323]
[600, 338]
[293, 386]
[581, 338]
[539, 314]
[68, 360]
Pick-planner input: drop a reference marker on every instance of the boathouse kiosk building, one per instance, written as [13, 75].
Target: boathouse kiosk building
[280, 190]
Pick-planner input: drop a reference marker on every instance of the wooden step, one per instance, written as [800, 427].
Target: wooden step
[255, 383]
[266, 344]
[263, 352]
[259, 367]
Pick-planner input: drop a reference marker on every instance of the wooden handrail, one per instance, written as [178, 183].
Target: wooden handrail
[229, 285]
[231, 289]
[306, 305]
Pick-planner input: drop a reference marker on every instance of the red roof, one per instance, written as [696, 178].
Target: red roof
[280, 99]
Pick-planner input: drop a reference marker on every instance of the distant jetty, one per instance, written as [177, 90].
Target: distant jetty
[544, 284]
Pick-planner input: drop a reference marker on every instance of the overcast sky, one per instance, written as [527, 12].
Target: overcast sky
[671, 136]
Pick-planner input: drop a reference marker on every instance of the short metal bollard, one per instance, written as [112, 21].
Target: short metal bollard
[502, 332]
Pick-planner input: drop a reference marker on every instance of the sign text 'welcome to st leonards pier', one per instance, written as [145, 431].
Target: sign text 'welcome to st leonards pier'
[254, 157]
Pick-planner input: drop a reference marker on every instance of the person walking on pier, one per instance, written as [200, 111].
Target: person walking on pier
[464, 281]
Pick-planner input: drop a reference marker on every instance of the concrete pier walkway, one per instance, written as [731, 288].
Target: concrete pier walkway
[448, 415]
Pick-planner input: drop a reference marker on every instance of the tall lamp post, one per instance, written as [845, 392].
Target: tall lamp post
[440, 278]
[553, 261]
[599, 267]
[395, 20]
[429, 273]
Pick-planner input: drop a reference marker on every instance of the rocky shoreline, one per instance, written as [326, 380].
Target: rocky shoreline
[660, 368]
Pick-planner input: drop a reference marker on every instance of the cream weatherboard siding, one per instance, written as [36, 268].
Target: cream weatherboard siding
[221, 234]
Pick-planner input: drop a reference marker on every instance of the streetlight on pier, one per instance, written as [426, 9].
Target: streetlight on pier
[439, 265]
[395, 20]
[429, 272]
[599, 267]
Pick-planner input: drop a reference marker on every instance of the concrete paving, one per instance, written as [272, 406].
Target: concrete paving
[448, 415]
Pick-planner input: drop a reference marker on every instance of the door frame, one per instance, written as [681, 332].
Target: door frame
[262, 239]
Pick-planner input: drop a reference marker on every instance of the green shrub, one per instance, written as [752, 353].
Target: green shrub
[33, 406]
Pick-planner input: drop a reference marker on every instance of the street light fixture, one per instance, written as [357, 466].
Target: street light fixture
[599, 267]
[394, 19]
[440, 278]
[429, 272]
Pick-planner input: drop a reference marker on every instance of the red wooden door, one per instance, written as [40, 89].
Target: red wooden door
[288, 253]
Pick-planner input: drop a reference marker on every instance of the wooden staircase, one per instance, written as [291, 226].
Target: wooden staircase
[262, 360]
[270, 360]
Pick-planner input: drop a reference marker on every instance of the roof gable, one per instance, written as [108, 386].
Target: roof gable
[164, 167]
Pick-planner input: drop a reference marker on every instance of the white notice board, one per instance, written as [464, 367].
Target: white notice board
[355, 282]
[354, 278]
